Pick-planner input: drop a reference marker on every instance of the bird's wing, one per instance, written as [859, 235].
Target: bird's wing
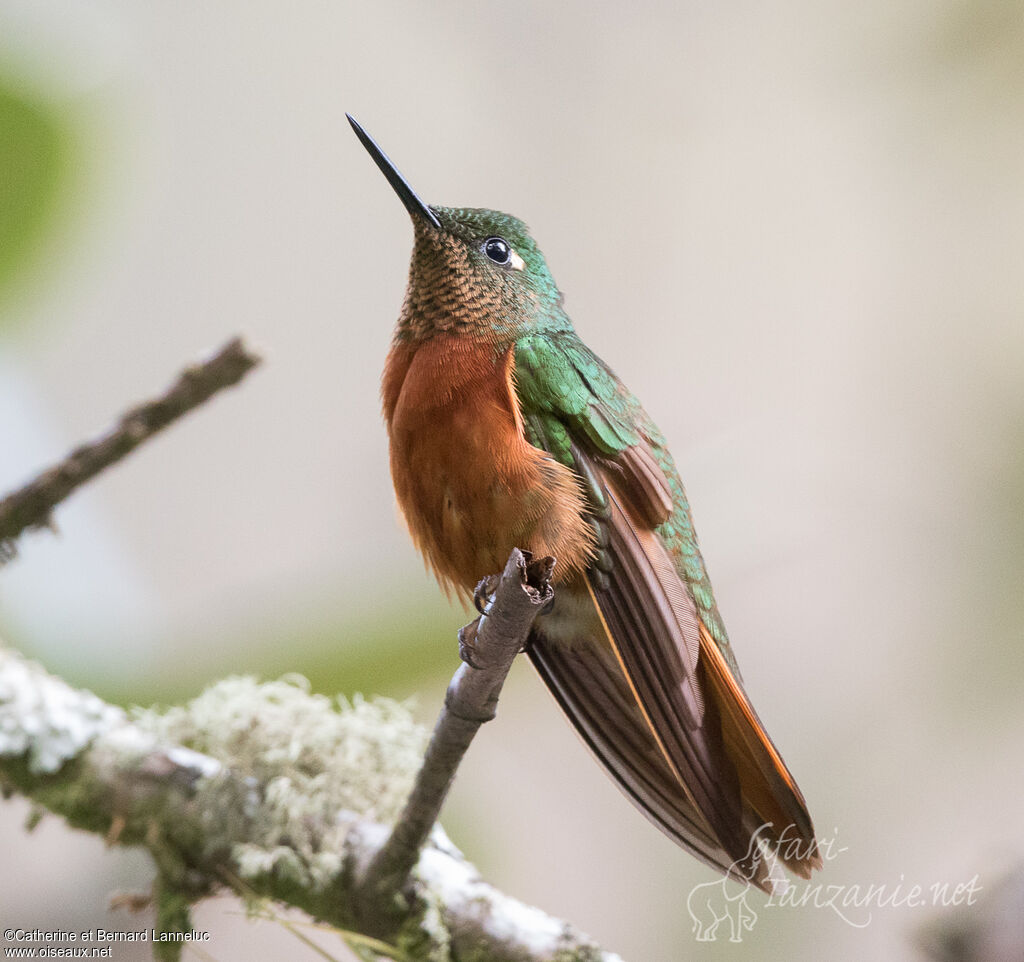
[595, 694]
[707, 768]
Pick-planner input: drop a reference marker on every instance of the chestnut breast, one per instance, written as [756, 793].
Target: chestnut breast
[470, 485]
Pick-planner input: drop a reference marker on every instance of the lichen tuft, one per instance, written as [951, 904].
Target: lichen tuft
[317, 759]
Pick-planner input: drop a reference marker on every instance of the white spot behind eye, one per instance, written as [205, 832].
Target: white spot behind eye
[515, 261]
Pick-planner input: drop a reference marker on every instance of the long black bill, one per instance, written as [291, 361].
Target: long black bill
[413, 204]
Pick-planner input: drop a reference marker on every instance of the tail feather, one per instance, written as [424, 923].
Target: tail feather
[596, 697]
[655, 699]
[766, 783]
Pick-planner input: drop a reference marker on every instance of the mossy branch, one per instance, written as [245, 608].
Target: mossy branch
[270, 785]
[268, 789]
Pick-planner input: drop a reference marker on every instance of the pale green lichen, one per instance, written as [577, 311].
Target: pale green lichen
[425, 934]
[269, 789]
[316, 758]
[50, 724]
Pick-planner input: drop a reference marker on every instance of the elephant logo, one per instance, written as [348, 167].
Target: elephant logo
[712, 903]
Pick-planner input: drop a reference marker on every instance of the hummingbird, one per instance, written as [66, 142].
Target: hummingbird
[506, 430]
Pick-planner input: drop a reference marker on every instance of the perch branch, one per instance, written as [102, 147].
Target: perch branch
[241, 803]
[489, 646]
[32, 505]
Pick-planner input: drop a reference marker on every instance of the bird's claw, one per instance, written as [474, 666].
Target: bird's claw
[482, 593]
[467, 643]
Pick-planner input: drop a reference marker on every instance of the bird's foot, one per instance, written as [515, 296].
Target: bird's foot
[467, 643]
[484, 591]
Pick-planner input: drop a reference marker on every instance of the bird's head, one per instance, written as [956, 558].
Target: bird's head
[474, 271]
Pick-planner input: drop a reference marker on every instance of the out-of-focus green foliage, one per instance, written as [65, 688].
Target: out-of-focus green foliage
[389, 654]
[385, 652]
[34, 149]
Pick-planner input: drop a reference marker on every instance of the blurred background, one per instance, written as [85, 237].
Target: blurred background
[796, 230]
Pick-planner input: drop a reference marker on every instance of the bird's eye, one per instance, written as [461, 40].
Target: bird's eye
[497, 249]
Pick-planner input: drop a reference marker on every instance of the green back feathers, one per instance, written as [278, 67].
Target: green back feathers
[569, 397]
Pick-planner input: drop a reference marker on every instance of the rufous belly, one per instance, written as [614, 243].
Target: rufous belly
[470, 485]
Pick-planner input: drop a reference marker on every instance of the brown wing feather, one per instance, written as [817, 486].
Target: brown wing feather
[593, 692]
[642, 484]
[654, 631]
[657, 703]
